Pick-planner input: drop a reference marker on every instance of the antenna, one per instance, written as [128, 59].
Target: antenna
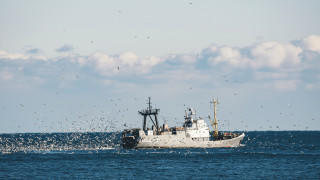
[149, 103]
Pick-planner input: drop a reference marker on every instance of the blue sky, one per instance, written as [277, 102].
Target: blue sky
[90, 65]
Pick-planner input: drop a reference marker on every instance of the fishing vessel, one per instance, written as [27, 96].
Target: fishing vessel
[194, 133]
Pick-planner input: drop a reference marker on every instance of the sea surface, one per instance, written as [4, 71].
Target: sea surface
[263, 155]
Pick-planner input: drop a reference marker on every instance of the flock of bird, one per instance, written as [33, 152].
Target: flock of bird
[87, 131]
[109, 121]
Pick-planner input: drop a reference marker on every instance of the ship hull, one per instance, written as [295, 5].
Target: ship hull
[185, 142]
[194, 133]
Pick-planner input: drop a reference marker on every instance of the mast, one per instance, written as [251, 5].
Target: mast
[215, 123]
[148, 113]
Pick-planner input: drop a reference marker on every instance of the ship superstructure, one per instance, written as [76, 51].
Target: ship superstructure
[193, 134]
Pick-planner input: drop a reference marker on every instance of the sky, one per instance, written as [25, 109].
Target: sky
[79, 66]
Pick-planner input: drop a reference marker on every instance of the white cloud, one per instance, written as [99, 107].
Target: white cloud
[148, 62]
[274, 55]
[5, 55]
[103, 63]
[229, 55]
[311, 43]
[129, 59]
[126, 63]
[210, 50]
[261, 55]
[17, 56]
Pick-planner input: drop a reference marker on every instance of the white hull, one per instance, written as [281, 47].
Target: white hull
[176, 141]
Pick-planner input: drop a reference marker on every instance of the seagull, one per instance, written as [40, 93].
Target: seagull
[118, 67]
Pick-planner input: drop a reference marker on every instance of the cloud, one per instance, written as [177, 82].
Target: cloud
[274, 55]
[5, 55]
[128, 59]
[18, 79]
[65, 48]
[182, 58]
[229, 55]
[126, 63]
[33, 51]
[17, 56]
[103, 63]
[261, 55]
[311, 43]
[282, 65]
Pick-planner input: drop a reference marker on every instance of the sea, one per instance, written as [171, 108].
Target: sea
[262, 155]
